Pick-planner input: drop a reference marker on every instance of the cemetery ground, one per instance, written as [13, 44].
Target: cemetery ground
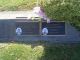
[39, 51]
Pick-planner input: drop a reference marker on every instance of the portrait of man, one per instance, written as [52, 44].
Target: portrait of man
[45, 31]
[18, 31]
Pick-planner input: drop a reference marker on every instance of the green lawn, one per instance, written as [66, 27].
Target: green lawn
[19, 5]
[12, 5]
[16, 51]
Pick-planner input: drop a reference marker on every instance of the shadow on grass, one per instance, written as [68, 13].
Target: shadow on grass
[56, 51]
[61, 52]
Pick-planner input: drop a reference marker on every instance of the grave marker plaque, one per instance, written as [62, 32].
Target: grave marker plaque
[29, 28]
[54, 28]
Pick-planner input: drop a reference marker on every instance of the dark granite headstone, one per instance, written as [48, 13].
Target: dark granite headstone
[54, 28]
[28, 28]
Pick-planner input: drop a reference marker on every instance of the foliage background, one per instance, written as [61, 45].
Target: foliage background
[63, 10]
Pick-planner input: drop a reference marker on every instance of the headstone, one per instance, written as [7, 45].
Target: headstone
[28, 28]
[54, 28]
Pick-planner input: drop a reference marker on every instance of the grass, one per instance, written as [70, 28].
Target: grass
[12, 5]
[19, 5]
[16, 51]
[20, 52]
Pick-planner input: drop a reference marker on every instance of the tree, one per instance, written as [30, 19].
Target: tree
[67, 10]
